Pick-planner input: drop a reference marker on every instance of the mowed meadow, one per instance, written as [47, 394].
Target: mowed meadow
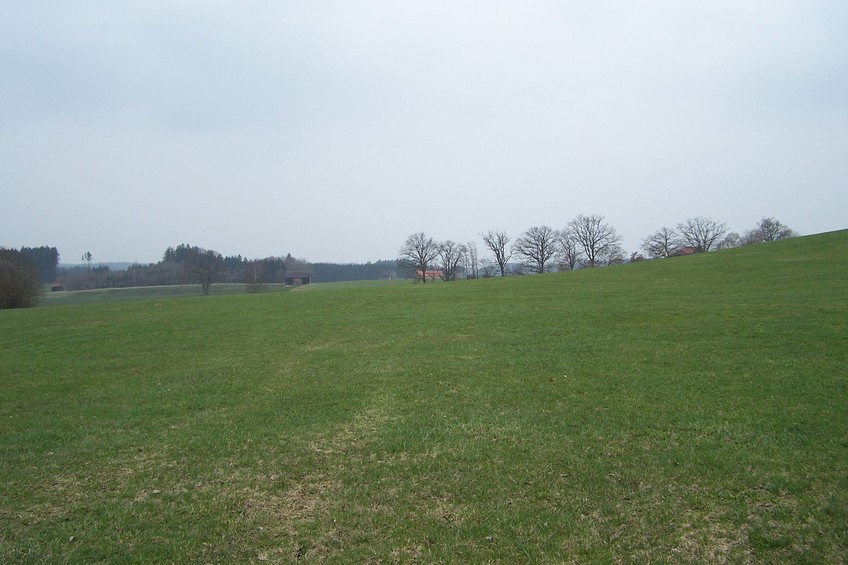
[693, 409]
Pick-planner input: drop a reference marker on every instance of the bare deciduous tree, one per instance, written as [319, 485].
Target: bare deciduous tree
[537, 246]
[768, 229]
[202, 265]
[614, 255]
[497, 242]
[450, 256]
[488, 269]
[701, 233]
[595, 238]
[729, 241]
[569, 254]
[470, 259]
[254, 276]
[662, 244]
[417, 254]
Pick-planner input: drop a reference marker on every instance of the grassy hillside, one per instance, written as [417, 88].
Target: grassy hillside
[691, 409]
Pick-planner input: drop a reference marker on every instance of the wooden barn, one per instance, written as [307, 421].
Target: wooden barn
[298, 278]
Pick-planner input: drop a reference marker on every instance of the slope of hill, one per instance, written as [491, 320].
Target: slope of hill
[691, 409]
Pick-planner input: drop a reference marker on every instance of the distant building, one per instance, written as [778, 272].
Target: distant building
[430, 275]
[56, 287]
[298, 278]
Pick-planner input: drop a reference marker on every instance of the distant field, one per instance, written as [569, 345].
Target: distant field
[64, 298]
[687, 410]
[360, 284]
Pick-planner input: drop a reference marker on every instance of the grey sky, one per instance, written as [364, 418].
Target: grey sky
[332, 130]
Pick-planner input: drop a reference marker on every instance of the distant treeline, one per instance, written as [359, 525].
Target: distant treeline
[46, 261]
[171, 270]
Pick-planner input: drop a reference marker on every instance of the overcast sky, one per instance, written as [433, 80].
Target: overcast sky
[332, 130]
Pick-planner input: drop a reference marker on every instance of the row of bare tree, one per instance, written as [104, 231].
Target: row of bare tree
[428, 258]
[705, 234]
[586, 241]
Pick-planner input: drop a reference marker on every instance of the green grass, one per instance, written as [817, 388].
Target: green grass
[685, 410]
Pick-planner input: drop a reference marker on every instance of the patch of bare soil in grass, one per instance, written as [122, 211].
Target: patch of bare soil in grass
[354, 434]
[703, 538]
[778, 525]
[773, 528]
[300, 518]
[411, 553]
[305, 505]
[59, 495]
[658, 522]
[442, 509]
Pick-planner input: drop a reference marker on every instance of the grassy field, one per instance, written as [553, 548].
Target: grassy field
[686, 410]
